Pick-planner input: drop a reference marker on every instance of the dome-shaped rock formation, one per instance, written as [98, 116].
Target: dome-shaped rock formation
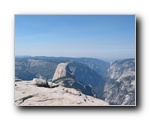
[80, 77]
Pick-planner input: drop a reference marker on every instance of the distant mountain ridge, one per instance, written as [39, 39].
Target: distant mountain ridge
[27, 68]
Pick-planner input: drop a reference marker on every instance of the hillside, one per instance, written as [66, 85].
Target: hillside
[120, 84]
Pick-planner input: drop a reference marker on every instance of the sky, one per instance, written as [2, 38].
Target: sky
[96, 36]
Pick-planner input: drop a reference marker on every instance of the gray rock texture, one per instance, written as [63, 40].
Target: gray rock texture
[40, 82]
[120, 84]
[80, 77]
[119, 67]
[27, 94]
[52, 85]
[62, 71]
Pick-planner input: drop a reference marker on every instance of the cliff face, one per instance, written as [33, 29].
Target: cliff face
[79, 76]
[62, 71]
[27, 94]
[119, 67]
[120, 84]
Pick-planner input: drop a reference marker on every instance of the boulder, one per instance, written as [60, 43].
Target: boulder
[52, 85]
[40, 82]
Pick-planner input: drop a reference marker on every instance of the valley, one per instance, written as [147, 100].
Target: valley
[113, 83]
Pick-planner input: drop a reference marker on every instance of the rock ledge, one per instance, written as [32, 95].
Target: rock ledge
[27, 94]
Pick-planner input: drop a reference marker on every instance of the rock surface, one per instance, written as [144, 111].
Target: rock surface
[79, 76]
[17, 79]
[40, 82]
[119, 67]
[27, 94]
[62, 71]
[120, 85]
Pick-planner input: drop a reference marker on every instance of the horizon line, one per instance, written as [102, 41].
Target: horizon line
[75, 57]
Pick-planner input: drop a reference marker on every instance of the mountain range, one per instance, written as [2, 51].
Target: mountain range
[27, 68]
[114, 83]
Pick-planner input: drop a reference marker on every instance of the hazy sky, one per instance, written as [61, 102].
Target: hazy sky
[99, 36]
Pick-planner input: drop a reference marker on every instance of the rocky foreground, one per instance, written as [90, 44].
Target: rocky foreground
[28, 94]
